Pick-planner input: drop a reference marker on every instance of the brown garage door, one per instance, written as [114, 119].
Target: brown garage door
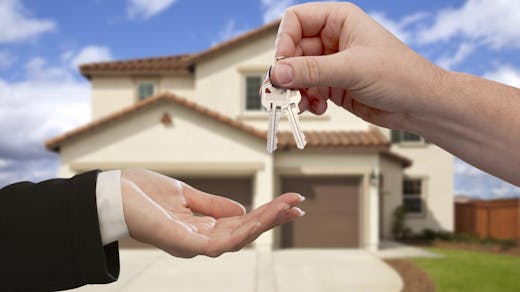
[332, 212]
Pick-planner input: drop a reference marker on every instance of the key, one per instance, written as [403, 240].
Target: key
[292, 112]
[274, 118]
[276, 100]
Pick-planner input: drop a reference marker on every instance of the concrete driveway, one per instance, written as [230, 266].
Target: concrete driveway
[251, 270]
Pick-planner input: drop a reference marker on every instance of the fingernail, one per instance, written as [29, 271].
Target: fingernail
[283, 73]
[300, 211]
[302, 198]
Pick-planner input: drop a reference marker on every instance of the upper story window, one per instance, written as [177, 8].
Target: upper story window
[412, 195]
[253, 101]
[404, 136]
[145, 89]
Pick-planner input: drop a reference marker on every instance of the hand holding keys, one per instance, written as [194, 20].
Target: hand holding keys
[277, 100]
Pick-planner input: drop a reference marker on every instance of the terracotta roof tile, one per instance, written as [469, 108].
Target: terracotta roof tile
[180, 64]
[336, 139]
[176, 64]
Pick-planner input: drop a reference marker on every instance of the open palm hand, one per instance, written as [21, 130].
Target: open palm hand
[186, 222]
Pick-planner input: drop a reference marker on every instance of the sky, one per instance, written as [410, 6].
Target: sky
[42, 43]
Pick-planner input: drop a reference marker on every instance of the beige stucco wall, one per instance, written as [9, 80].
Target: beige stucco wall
[435, 166]
[111, 93]
[183, 86]
[391, 192]
[193, 140]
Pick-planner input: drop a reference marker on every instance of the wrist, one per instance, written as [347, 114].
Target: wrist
[436, 101]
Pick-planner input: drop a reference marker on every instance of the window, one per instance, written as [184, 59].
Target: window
[252, 95]
[412, 195]
[144, 90]
[403, 136]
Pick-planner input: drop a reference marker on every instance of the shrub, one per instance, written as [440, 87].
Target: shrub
[398, 225]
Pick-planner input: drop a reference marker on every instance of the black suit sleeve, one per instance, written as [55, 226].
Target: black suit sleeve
[49, 236]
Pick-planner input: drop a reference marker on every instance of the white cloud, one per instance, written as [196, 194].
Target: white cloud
[17, 24]
[229, 31]
[395, 27]
[88, 54]
[145, 9]
[274, 9]
[464, 51]
[48, 101]
[505, 74]
[401, 29]
[6, 60]
[473, 182]
[493, 22]
[463, 168]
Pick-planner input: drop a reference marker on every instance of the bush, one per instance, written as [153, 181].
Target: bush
[399, 230]
[508, 244]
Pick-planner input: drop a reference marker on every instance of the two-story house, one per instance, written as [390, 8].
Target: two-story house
[198, 117]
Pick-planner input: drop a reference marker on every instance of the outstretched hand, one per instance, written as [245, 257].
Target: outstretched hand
[162, 211]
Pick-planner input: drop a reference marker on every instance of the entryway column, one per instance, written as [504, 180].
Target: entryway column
[263, 193]
[373, 209]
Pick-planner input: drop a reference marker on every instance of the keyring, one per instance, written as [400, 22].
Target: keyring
[280, 58]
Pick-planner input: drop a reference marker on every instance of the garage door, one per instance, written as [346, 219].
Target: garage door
[332, 212]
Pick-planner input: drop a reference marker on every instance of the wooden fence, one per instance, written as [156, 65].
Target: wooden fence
[499, 219]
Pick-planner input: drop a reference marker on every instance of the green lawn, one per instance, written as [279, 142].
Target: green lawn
[462, 270]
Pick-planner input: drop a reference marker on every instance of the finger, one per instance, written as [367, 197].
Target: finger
[336, 95]
[323, 20]
[298, 22]
[250, 226]
[304, 103]
[318, 106]
[279, 211]
[311, 46]
[376, 116]
[313, 71]
[211, 205]
[268, 214]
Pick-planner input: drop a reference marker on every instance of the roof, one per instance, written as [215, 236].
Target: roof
[175, 64]
[336, 139]
[54, 143]
[179, 64]
[371, 139]
[252, 34]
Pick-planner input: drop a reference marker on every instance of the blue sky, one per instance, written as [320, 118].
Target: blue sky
[42, 42]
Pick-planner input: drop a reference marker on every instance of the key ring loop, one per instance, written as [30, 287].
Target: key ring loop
[279, 58]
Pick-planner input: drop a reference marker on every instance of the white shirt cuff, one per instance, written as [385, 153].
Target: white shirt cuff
[112, 224]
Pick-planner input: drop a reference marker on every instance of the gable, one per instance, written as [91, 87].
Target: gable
[142, 139]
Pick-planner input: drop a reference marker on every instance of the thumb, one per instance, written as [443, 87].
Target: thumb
[311, 71]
